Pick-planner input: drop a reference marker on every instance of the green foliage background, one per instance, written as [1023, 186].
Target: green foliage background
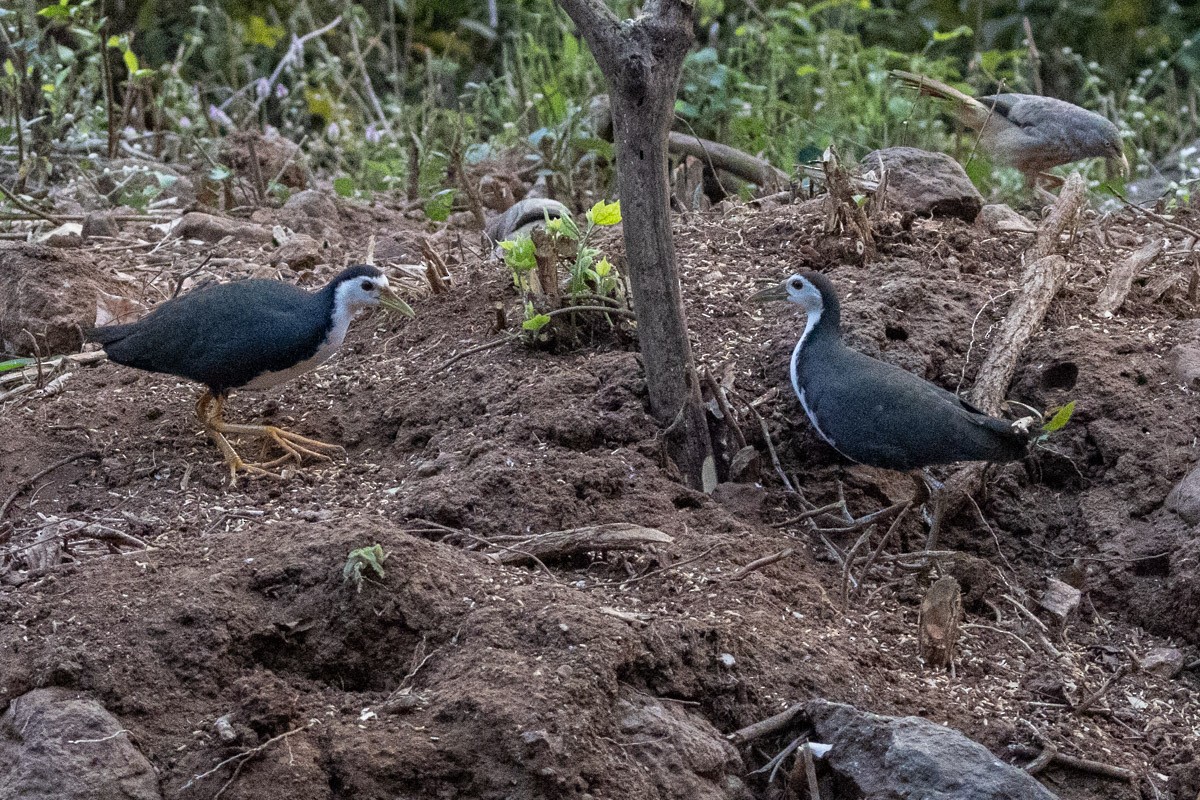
[454, 78]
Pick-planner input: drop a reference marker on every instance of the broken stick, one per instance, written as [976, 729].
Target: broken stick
[1120, 280]
[561, 544]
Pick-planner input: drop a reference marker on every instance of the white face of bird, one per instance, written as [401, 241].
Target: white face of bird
[368, 291]
[796, 289]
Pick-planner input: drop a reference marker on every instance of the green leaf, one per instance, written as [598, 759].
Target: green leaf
[259, 32]
[520, 254]
[1060, 418]
[16, 363]
[54, 12]
[961, 30]
[220, 173]
[344, 186]
[536, 323]
[603, 268]
[438, 207]
[9, 69]
[114, 41]
[131, 61]
[605, 213]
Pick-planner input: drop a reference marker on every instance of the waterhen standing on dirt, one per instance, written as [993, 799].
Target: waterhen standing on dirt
[253, 334]
[876, 413]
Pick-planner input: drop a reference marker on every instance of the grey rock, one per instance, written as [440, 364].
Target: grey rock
[1185, 364]
[925, 183]
[312, 203]
[100, 224]
[684, 754]
[300, 252]
[1184, 499]
[49, 292]
[1060, 599]
[1166, 662]
[999, 218]
[211, 228]
[313, 213]
[909, 758]
[58, 745]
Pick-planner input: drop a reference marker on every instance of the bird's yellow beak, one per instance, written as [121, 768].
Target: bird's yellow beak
[770, 294]
[392, 302]
[1124, 165]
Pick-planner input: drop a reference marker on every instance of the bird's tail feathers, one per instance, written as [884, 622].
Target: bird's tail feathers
[106, 334]
[932, 87]
[971, 111]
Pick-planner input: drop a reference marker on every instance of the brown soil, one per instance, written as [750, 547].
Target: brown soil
[454, 676]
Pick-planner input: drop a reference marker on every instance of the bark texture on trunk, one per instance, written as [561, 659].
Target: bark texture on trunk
[642, 59]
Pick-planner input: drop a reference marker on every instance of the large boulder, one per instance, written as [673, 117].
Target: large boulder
[57, 745]
[924, 183]
[49, 292]
[909, 758]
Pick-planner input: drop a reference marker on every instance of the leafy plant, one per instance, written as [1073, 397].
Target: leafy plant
[591, 274]
[359, 560]
[1057, 421]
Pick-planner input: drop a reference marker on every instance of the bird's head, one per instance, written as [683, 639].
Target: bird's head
[799, 289]
[1114, 154]
[365, 286]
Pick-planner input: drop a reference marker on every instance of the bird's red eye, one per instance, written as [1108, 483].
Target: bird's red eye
[367, 286]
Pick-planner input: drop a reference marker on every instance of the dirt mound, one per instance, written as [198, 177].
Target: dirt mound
[607, 674]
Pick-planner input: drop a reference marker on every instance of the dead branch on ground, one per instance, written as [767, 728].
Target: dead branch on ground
[1120, 280]
[563, 544]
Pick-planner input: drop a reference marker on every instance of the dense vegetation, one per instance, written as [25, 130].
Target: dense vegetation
[392, 95]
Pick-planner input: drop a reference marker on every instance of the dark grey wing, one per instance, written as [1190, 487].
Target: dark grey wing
[1070, 131]
[879, 414]
[225, 335]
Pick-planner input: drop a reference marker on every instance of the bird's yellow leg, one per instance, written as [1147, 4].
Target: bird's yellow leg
[293, 444]
[208, 410]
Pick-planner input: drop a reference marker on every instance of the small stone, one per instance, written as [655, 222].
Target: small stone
[57, 744]
[999, 218]
[225, 730]
[100, 224]
[495, 193]
[1165, 662]
[211, 228]
[910, 758]
[312, 203]
[461, 219]
[1185, 364]
[1184, 499]
[746, 465]
[69, 234]
[1060, 599]
[527, 212]
[299, 252]
[728, 661]
[924, 183]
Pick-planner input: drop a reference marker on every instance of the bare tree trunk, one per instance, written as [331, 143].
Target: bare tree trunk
[642, 59]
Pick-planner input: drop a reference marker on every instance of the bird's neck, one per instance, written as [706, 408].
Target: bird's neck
[341, 312]
[820, 330]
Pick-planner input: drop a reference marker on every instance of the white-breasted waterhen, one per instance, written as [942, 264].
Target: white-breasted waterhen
[877, 413]
[253, 334]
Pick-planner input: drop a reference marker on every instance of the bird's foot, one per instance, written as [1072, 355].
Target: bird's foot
[235, 462]
[294, 446]
[298, 446]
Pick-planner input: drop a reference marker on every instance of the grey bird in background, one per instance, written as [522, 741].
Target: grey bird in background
[1027, 131]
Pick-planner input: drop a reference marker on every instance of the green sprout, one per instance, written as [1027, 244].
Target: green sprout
[359, 560]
